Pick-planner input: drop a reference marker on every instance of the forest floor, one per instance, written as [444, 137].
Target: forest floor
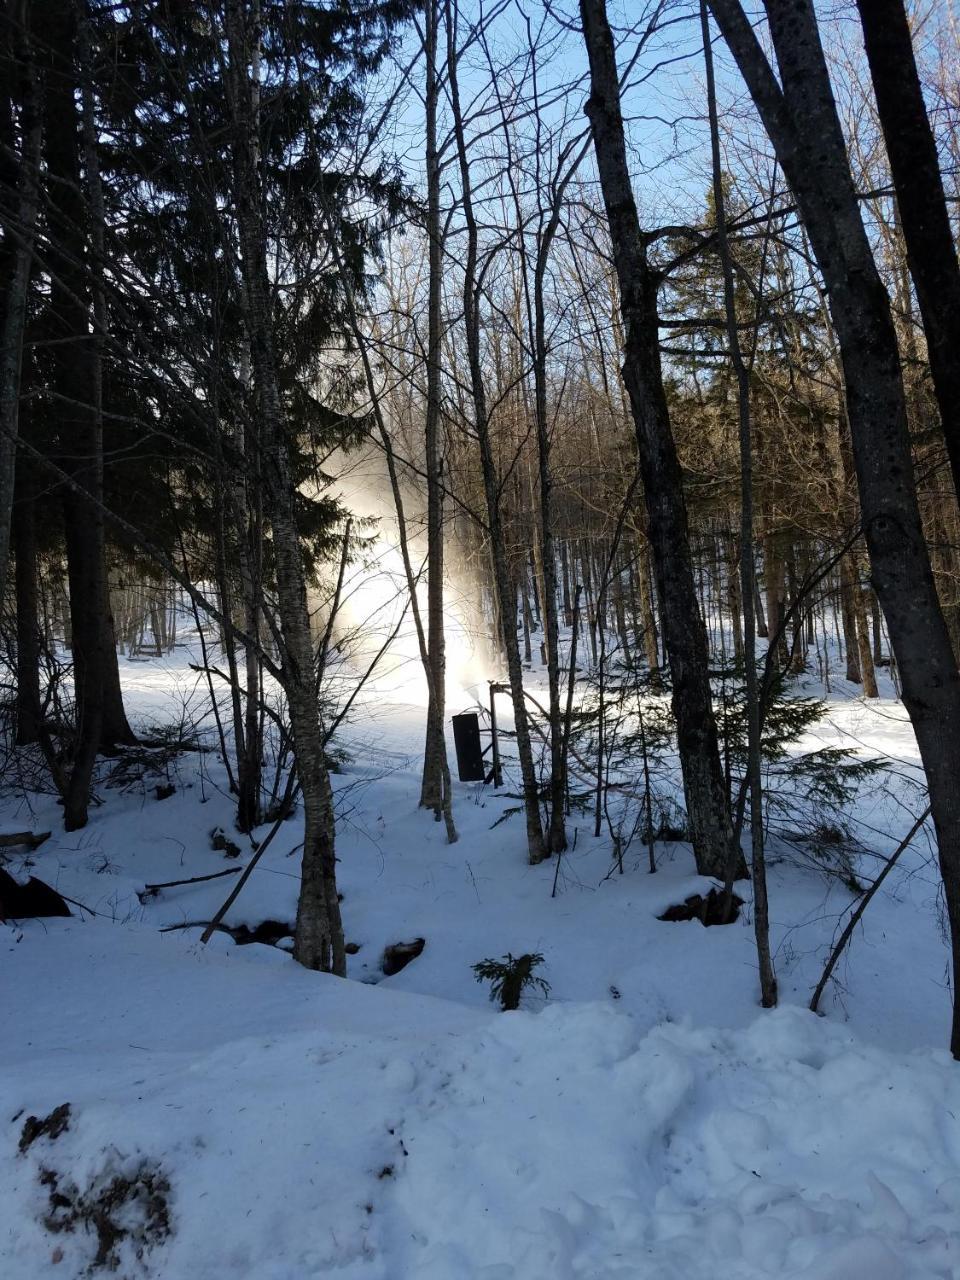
[232, 1115]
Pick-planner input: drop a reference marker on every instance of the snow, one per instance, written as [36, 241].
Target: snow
[646, 1120]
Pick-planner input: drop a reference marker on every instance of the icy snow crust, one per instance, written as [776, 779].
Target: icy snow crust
[646, 1122]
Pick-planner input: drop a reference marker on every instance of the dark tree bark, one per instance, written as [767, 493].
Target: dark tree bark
[246, 528]
[18, 215]
[864, 652]
[774, 581]
[848, 618]
[801, 119]
[114, 727]
[648, 615]
[75, 323]
[565, 584]
[925, 222]
[684, 633]
[27, 600]
[74, 399]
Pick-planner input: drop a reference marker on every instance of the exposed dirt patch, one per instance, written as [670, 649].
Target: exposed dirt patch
[267, 931]
[709, 909]
[50, 1126]
[114, 1207]
[399, 954]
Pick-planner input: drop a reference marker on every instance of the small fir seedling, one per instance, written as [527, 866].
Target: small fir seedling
[510, 977]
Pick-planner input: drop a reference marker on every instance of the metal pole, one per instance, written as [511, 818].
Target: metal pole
[497, 773]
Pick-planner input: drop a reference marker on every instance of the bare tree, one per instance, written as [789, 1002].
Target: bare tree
[506, 594]
[748, 572]
[318, 942]
[684, 634]
[800, 116]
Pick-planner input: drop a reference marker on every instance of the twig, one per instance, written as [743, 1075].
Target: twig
[83, 906]
[192, 924]
[248, 869]
[861, 908]
[149, 890]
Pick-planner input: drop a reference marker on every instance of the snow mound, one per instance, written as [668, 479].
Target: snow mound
[311, 1127]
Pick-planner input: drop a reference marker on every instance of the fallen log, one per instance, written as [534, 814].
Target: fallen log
[33, 840]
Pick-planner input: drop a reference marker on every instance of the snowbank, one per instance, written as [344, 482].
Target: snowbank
[311, 1127]
[644, 1122]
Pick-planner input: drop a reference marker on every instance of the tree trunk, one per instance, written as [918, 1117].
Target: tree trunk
[229, 649]
[114, 727]
[877, 629]
[912, 152]
[774, 581]
[546, 552]
[761, 915]
[802, 122]
[797, 647]
[619, 611]
[526, 615]
[590, 619]
[536, 849]
[735, 599]
[867, 672]
[247, 530]
[75, 396]
[28, 622]
[19, 224]
[318, 941]
[434, 790]
[763, 631]
[648, 615]
[708, 811]
[565, 585]
[848, 618]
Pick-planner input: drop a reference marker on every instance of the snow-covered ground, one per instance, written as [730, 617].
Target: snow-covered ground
[647, 1120]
